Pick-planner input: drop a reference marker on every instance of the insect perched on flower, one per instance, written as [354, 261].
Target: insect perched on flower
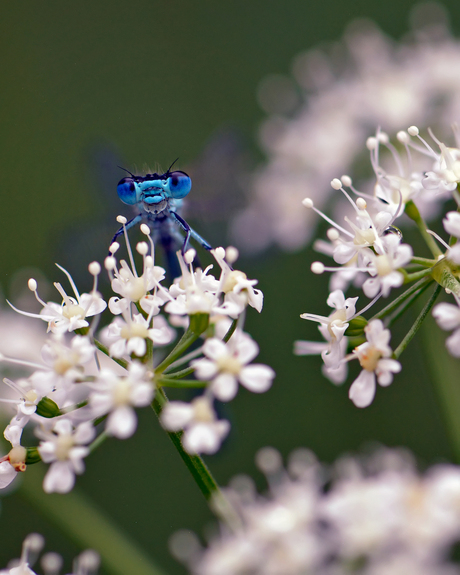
[158, 197]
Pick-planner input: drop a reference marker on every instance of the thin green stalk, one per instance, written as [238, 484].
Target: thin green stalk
[231, 331]
[425, 262]
[409, 302]
[88, 526]
[417, 323]
[148, 358]
[197, 467]
[98, 441]
[410, 277]
[184, 359]
[412, 211]
[400, 299]
[178, 374]
[185, 383]
[184, 343]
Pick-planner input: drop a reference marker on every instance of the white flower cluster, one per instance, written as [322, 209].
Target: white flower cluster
[87, 563]
[372, 517]
[372, 256]
[337, 94]
[84, 391]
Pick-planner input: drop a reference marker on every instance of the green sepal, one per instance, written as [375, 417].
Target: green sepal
[82, 331]
[356, 326]
[32, 455]
[199, 323]
[445, 273]
[411, 211]
[46, 407]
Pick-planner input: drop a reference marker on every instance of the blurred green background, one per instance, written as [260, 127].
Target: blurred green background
[88, 84]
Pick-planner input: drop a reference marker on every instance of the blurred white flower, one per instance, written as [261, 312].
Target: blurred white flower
[64, 447]
[378, 514]
[364, 80]
[203, 432]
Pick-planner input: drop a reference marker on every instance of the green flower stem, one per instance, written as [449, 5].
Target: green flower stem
[402, 298]
[184, 343]
[88, 527]
[98, 441]
[184, 359]
[426, 262]
[196, 352]
[185, 383]
[231, 331]
[101, 347]
[413, 213]
[197, 467]
[178, 374]
[148, 358]
[416, 275]
[417, 323]
[444, 377]
[407, 304]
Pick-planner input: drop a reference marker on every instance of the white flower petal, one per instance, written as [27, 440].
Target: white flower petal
[257, 378]
[176, 415]
[224, 386]
[7, 474]
[60, 478]
[205, 438]
[362, 390]
[122, 422]
[215, 348]
[447, 316]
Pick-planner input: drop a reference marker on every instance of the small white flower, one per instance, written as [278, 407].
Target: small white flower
[226, 365]
[63, 447]
[117, 396]
[127, 337]
[238, 289]
[384, 264]
[198, 292]
[446, 171]
[203, 433]
[73, 311]
[15, 460]
[133, 288]
[332, 328]
[63, 366]
[375, 359]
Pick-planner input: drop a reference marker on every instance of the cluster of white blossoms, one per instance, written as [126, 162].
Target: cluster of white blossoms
[85, 389]
[371, 255]
[376, 516]
[87, 563]
[320, 114]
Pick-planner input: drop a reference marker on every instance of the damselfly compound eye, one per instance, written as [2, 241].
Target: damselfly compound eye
[178, 184]
[126, 190]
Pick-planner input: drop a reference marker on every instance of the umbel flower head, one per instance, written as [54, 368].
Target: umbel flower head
[83, 392]
[372, 255]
